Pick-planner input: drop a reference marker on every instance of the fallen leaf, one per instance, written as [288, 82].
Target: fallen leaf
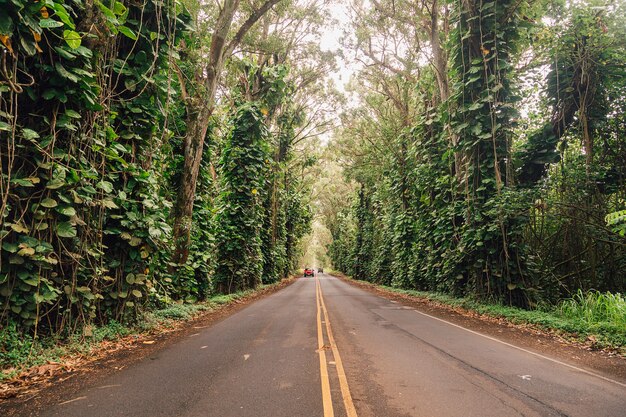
[6, 41]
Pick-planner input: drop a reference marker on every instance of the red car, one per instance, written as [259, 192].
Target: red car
[308, 272]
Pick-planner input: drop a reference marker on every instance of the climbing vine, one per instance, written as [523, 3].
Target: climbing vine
[85, 89]
[507, 182]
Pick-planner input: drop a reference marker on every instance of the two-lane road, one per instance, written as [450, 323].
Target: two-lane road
[321, 347]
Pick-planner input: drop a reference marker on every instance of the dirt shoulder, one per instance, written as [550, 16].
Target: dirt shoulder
[552, 344]
[45, 384]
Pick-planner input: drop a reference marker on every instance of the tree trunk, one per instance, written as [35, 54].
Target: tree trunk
[199, 110]
[197, 125]
[440, 60]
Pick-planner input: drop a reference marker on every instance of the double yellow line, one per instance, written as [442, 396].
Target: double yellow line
[321, 348]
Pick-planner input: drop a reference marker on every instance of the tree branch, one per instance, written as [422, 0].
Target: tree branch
[247, 25]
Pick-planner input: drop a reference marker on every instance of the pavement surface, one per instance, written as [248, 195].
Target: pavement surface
[322, 347]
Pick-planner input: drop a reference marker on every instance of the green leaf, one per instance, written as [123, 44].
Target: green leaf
[67, 211]
[6, 24]
[109, 203]
[108, 14]
[62, 14]
[41, 226]
[119, 8]
[55, 183]
[64, 53]
[30, 134]
[50, 23]
[9, 247]
[127, 32]
[84, 52]
[65, 73]
[88, 189]
[66, 229]
[28, 46]
[33, 282]
[119, 147]
[48, 203]
[23, 182]
[154, 232]
[49, 94]
[105, 186]
[72, 38]
[73, 114]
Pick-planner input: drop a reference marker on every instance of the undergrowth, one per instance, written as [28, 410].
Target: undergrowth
[595, 315]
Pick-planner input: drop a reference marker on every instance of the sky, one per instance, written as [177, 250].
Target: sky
[330, 41]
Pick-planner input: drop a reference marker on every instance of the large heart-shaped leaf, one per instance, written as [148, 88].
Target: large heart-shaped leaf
[66, 229]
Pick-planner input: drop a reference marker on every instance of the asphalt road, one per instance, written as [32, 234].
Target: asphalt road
[341, 351]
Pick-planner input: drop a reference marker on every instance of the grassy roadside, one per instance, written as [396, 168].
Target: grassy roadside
[595, 319]
[21, 354]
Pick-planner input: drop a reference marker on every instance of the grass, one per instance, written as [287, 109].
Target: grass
[20, 351]
[596, 316]
[596, 309]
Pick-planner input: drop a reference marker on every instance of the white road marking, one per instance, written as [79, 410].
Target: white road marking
[527, 351]
[525, 377]
[245, 357]
[204, 347]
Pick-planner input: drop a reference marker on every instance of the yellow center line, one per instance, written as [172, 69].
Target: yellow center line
[326, 397]
[343, 380]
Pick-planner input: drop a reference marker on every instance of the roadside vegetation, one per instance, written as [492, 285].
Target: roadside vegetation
[593, 318]
[153, 154]
[486, 158]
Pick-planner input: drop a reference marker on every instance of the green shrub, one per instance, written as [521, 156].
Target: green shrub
[14, 345]
[111, 331]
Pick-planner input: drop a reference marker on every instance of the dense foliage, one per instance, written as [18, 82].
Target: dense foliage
[94, 104]
[497, 172]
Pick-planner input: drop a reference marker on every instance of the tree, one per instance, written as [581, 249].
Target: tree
[200, 106]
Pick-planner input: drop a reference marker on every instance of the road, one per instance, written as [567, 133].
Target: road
[321, 347]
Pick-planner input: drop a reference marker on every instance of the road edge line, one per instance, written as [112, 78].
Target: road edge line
[539, 355]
